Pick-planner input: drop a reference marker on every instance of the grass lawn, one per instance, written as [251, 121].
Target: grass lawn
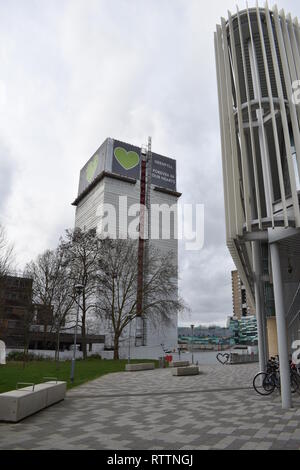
[35, 371]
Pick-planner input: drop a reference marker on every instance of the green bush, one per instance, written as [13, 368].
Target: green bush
[20, 357]
[95, 356]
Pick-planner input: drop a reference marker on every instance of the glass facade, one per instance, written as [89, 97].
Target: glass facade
[244, 330]
[268, 292]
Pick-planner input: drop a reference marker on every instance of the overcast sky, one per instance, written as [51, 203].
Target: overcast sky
[74, 72]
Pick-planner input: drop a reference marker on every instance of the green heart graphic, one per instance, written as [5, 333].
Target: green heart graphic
[91, 168]
[128, 160]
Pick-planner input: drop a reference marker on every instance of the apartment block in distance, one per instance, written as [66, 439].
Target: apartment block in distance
[241, 306]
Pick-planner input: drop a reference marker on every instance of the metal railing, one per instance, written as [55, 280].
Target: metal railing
[25, 383]
[52, 379]
[294, 309]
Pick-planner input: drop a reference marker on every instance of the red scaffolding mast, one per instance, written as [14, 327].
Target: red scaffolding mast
[145, 186]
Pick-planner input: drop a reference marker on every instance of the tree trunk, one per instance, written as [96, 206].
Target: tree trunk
[116, 347]
[57, 347]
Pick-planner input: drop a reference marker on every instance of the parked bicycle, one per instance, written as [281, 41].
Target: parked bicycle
[265, 383]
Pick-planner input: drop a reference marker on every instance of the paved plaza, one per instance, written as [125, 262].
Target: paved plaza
[154, 410]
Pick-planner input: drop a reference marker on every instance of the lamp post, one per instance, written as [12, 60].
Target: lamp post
[114, 276]
[78, 290]
[129, 343]
[192, 327]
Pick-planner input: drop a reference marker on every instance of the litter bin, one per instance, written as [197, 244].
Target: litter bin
[169, 358]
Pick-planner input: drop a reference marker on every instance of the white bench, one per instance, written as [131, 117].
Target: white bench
[183, 371]
[18, 404]
[179, 364]
[139, 367]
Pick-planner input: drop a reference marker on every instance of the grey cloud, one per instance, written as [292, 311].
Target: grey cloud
[7, 170]
[77, 72]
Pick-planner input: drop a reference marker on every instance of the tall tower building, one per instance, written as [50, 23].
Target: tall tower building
[241, 306]
[258, 72]
[117, 174]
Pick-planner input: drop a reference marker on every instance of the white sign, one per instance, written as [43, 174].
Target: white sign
[296, 355]
[2, 353]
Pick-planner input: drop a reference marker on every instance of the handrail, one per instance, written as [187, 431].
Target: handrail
[294, 319]
[51, 378]
[294, 300]
[290, 312]
[25, 383]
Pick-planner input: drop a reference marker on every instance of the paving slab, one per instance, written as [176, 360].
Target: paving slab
[154, 410]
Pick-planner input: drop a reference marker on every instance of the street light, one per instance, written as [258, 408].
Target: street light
[78, 290]
[192, 326]
[129, 343]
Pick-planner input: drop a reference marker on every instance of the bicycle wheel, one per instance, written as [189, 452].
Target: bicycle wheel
[263, 383]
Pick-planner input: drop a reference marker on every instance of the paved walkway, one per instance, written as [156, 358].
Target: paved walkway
[154, 410]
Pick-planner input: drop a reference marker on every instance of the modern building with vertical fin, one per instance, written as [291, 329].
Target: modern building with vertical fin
[258, 73]
[119, 169]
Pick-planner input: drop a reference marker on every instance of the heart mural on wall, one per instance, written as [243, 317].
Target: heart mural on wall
[128, 160]
[91, 168]
[223, 358]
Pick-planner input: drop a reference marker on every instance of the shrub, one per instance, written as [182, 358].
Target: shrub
[20, 357]
[95, 356]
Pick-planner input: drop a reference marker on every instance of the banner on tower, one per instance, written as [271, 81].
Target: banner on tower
[124, 159]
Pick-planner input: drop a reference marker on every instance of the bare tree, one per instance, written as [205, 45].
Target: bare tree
[82, 251]
[6, 260]
[53, 288]
[117, 284]
[6, 253]
[63, 305]
[45, 274]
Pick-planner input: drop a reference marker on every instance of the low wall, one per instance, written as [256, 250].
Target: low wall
[107, 355]
[144, 352]
[243, 358]
[136, 353]
[63, 355]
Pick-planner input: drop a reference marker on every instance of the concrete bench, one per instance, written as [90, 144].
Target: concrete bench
[180, 364]
[184, 371]
[139, 367]
[18, 404]
[242, 358]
